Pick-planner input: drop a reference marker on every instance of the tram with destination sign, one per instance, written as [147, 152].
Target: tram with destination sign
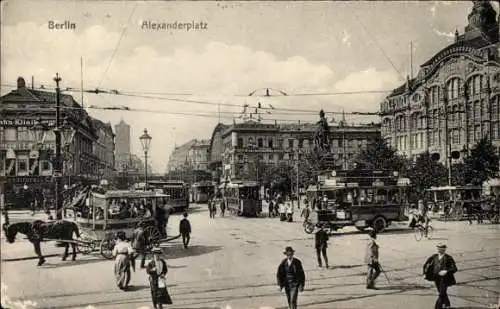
[359, 198]
[201, 191]
[242, 198]
[177, 190]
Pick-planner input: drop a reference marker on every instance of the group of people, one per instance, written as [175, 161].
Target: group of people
[156, 270]
[212, 206]
[126, 253]
[439, 268]
[279, 208]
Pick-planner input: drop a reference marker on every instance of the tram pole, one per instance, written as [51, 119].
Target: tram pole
[57, 165]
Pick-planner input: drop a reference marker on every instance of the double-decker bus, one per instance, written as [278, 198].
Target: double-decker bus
[201, 191]
[360, 198]
[242, 198]
[177, 190]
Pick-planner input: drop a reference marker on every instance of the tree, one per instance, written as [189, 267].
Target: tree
[380, 156]
[426, 173]
[482, 163]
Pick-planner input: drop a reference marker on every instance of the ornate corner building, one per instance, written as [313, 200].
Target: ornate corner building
[238, 148]
[454, 100]
[26, 163]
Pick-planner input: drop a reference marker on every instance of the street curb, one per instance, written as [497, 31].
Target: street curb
[28, 258]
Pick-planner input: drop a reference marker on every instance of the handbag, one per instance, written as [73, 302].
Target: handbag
[161, 283]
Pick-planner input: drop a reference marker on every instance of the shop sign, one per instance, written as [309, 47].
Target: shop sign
[28, 179]
[26, 122]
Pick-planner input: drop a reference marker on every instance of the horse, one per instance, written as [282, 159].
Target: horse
[37, 230]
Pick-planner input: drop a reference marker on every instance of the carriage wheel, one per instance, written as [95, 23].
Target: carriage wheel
[153, 236]
[85, 246]
[308, 227]
[106, 248]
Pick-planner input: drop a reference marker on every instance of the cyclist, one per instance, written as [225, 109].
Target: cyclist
[422, 217]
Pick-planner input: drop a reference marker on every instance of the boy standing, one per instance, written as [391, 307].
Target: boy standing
[185, 230]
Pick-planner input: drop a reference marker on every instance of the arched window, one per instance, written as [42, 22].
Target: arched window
[475, 84]
[434, 95]
[453, 88]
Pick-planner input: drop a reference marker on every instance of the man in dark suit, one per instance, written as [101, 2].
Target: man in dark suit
[321, 244]
[371, 259]
[440, 268]
[291, 277]
[139, 244]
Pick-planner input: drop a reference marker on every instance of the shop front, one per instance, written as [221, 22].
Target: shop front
[19, 192]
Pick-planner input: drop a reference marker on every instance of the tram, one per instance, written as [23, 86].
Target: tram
[201, 191]
[177, 190]
[358, 198]
[242, 198]
[449, 201]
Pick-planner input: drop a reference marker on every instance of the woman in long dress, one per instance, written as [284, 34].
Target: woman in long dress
[157, 270]
[123, 254]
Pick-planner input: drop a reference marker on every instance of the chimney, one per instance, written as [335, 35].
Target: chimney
[21, 83]
[456, 35]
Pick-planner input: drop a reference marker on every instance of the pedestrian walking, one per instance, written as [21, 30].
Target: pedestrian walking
[440, 268]
[123, 253]
[282, 211]
[321, 244]
[139, 244]
[291, 277]
[306, 212]
[210, 207]
[289, 211]
[185, 230]
[160, 219]
[222, 207]
[270, 208]
[157, 271]
[372, 260]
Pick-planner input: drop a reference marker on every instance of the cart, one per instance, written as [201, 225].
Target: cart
[104, 215]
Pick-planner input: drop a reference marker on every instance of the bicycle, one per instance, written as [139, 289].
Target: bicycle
[421, 232]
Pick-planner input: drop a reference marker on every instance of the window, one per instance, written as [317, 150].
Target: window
[280, 143]
[270, 143]
[301, 143]
[10, 134]
[2, 134]
[22, 165]
[240, 142]
[290, 143]
[260, 143]
[453, 89]
[271, 157]
[475, 85]
[45, 166]
[2, 166]
[23, 134]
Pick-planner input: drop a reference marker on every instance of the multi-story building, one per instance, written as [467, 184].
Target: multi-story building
[25, 162]
[104, 148]
[454, 100]
[197, 156]
[179, 158]
[122, 145]
[235, 147]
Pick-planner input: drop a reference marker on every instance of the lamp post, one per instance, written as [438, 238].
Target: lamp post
[145, 142]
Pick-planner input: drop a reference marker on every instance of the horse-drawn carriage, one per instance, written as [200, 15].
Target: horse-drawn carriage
[96, 223]
[107, 214]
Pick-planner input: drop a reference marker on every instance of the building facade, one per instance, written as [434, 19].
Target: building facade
[197, 156]
[236, 148]
[104, 148]
[454, 100]
[179, 158]
[26, 162]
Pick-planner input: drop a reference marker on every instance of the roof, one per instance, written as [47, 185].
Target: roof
[128, 194]
[447, 188]
[98, 124]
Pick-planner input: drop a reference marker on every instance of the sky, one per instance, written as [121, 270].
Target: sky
[179, 84]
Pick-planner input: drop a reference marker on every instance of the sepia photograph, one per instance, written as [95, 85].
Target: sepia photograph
[249, 154]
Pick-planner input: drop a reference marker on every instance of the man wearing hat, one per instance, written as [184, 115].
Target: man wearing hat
[291, 277]
[440, 268]
[371, 259]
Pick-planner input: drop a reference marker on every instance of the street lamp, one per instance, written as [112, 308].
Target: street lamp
[145, 142]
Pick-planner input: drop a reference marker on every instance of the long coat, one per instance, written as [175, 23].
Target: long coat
[298, 271]
[446, 263]
[139, 239]
[157, 295]
[371, 253]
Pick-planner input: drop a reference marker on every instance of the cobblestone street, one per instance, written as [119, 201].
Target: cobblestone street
[232, 262]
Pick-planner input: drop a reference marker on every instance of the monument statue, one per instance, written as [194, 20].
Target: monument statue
[321, 139]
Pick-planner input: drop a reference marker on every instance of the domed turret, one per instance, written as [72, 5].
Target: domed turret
[482, 21]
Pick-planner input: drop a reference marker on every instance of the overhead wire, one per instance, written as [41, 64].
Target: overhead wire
[117, 46]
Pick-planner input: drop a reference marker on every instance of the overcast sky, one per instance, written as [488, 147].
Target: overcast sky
[297, 47]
